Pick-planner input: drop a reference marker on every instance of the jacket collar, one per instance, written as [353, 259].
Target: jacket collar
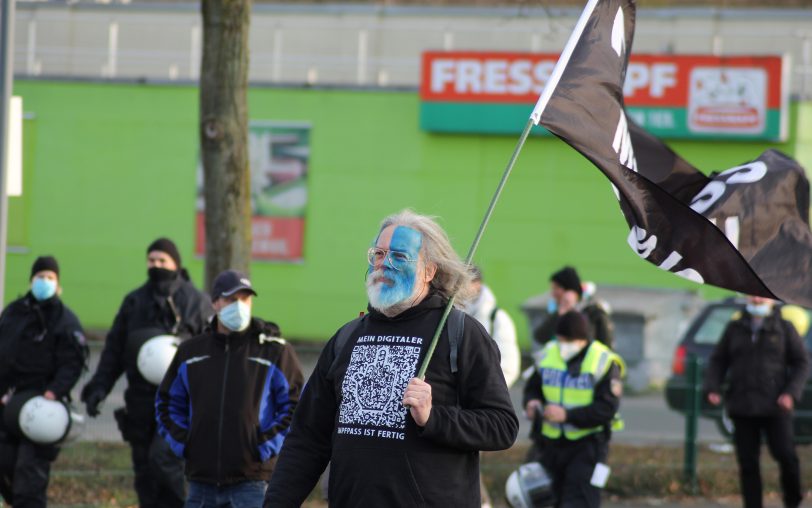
[254, 328]
[769, 323]
[429, 303]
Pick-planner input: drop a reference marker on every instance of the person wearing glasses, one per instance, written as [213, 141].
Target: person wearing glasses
[166, 304]
[391, 438]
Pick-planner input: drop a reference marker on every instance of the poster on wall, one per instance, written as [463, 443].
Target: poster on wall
[279, 154]
[676, 96]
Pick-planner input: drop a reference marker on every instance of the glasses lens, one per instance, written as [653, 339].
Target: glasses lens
[375, 255]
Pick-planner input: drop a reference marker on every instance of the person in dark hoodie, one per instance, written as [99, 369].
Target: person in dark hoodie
[576, 388]
[567, 293]
[167, 303]
[392, 439]
[766, 366]
[226, 401]
[42, 348]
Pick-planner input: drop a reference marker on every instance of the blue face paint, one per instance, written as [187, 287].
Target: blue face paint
[400, 267]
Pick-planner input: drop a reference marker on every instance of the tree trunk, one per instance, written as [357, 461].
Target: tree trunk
[224, 135]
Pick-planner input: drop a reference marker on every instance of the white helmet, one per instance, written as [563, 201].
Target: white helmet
[155, 356]
[530, 487]
[29, 414]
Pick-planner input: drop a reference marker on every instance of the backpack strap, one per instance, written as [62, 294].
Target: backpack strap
[343, 335]
[493, 319]
[456, 328]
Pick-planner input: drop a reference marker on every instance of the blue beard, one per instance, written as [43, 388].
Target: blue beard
[383, 296]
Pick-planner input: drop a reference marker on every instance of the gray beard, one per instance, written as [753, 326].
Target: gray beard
[373, 293]
[394, 310]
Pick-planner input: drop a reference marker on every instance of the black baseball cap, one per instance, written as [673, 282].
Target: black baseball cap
[229, 282]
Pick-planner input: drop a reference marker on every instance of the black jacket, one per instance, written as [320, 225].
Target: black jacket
[600, 326]
[605, 401]
[146, 312]
[351, 415]
[759, 366]
[42, 346]
[226, 403]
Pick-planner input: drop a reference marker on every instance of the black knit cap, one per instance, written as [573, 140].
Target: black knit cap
[568, 278]
[168, 246]
[572, 325]
[44, 263]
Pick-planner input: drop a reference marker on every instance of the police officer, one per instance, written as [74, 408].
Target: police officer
[576, 388]
[167, 303]
[567, 294]
[42, 349]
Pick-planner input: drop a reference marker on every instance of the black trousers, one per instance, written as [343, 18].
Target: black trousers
[24, 477]
[780, 441]
[571, 464]
[159, 480]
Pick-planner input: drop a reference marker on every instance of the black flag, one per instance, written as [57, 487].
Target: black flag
[744, 229]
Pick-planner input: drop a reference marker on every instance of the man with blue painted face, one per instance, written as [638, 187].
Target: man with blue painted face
[392, 439]
[226, 402]
[42, 349]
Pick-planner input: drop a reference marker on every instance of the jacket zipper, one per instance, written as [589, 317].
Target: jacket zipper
[561, 400]
[220, 424]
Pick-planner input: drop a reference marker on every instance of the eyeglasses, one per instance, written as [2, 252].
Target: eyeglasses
[397, 259]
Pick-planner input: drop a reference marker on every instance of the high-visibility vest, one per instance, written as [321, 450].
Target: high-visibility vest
[560, 388]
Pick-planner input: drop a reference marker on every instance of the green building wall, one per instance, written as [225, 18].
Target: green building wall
[110, 167]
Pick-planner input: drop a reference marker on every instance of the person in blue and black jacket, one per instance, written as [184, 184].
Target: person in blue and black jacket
[226, 402]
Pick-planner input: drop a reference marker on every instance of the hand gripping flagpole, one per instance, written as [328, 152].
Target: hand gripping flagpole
[535, 118]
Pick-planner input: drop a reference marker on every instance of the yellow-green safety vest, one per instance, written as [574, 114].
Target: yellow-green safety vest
[560, 388]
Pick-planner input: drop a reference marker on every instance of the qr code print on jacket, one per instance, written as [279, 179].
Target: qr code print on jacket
[372, 391]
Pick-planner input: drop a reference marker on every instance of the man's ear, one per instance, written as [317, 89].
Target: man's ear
[431, 271]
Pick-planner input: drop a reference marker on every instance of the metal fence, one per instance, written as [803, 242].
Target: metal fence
[363, 45]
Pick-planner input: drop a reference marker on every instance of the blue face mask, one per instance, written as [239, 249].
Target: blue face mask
[42, 288]
[235, 316]
[402, 274]
[552, 306]
[760, 310]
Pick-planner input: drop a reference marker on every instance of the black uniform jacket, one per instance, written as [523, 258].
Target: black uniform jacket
[177, 308]
[760, 365]
[600, 326]
[226, 403]
[42, 346]
[351, 414]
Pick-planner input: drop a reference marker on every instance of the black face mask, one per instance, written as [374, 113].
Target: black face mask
[159, 275]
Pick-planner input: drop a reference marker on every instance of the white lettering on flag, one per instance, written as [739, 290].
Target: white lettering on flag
[618, 34]
[710, 194]
[622, 144]
[640, 245]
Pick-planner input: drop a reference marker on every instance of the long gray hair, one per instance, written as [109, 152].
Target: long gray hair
[453, 276]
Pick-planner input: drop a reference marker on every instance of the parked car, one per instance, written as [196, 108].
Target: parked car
[699, 340]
